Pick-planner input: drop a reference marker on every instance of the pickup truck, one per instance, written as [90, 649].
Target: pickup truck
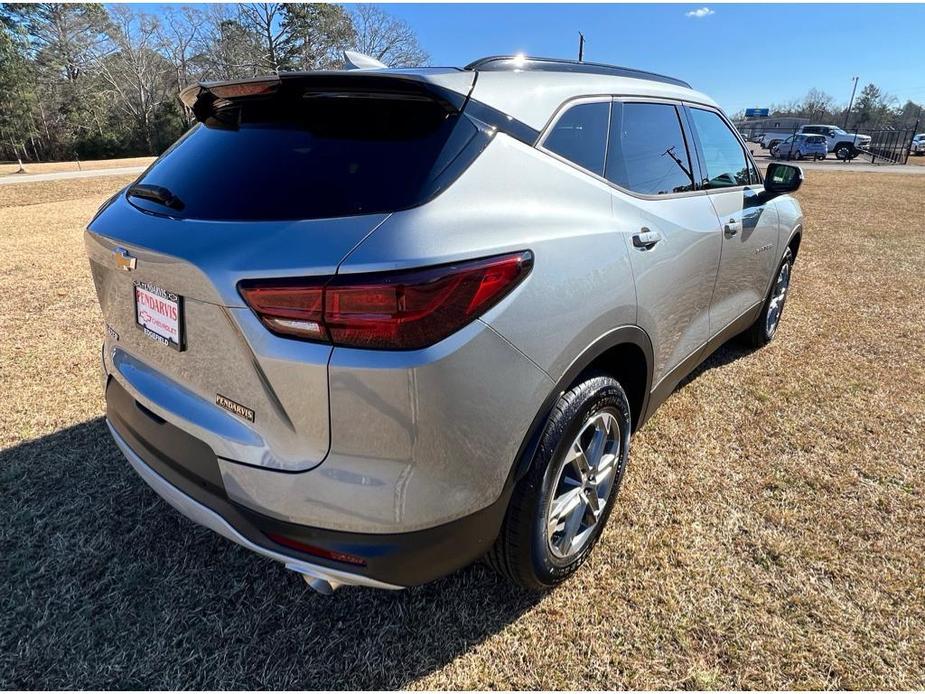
[845, 145]
[918, 145]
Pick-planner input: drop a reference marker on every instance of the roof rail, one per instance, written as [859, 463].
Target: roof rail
[498, 63]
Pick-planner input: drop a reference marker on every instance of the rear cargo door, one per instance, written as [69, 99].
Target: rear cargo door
[276, 182]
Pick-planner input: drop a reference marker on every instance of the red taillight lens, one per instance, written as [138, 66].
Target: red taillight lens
[288, 309]
[316, 551]
[388, 310]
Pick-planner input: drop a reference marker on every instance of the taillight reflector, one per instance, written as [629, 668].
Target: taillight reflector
[388, 310]
[316, 551]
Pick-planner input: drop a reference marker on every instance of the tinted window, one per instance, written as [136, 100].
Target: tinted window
[647, 152]
[723, 156]
[305, 158]
[580, 135]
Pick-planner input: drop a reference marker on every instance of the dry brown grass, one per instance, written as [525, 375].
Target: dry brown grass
[36, 193]
[917, 160]
[56, 166]
[769, 533]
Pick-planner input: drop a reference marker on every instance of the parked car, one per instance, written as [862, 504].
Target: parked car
[800, 147]
[377, 324]
[845, 145]
[769, 139]
[918, 145]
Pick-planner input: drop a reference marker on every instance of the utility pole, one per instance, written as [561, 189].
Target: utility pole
[850, 103]
[581, 47]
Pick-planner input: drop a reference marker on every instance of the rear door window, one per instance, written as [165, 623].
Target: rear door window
[305, 156]
[580, 135]
[647, 152]
[723, 156]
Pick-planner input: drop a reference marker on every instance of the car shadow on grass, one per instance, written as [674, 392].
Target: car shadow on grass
[725, 354]
[106, 586]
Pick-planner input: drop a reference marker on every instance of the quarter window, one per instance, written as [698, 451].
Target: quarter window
[723, 157]
[647, 152]
[580, 135]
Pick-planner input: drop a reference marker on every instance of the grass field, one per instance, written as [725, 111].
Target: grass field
[57, 166]
[769, 533]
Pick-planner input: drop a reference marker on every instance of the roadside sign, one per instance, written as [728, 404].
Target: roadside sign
[757, 112]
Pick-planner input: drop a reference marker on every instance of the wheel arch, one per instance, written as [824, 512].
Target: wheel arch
[626, 354]
[796, 236]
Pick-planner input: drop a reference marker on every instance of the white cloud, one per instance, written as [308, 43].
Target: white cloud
[700, 13]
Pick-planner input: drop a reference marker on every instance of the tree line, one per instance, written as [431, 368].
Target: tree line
[90, 81]
[873, 109]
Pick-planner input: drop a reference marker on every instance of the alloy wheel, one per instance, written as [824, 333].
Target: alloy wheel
[778, 296]
[584, 481]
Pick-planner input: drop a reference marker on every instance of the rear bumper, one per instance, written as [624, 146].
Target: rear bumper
[203, 515]
[185, 472]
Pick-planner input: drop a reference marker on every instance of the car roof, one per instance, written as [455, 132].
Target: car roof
[532, 89]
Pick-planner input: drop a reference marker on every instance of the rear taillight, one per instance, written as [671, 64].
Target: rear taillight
[386, 310]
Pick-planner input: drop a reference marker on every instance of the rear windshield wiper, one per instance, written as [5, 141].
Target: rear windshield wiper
[158, 194]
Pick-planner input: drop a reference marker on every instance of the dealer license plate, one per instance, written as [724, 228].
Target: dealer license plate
[159, 314]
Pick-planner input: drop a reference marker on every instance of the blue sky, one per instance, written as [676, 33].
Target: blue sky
[742, 55]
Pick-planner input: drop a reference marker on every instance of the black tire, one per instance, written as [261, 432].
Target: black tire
[844, 151]
[799, 155]
[522, 552]
[758, 334]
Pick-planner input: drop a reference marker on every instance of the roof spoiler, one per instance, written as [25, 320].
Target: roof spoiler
[204, 99]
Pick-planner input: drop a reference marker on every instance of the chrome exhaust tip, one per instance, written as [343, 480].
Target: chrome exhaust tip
[323, 586]
[320, 585]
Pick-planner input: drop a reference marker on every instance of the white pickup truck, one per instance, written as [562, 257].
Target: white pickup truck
[918, 144]
[844, 144]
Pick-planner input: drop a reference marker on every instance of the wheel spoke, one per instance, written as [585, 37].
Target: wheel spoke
[608, 463]
[573, 523]
[596, 449]
[579, 461]
[594, 502]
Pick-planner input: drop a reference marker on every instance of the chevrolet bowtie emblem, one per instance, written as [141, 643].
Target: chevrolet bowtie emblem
[124, 260]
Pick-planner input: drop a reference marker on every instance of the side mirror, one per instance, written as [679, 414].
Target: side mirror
[782, 178]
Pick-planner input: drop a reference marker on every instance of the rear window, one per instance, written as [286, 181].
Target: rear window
[580, 135]
[310, 156]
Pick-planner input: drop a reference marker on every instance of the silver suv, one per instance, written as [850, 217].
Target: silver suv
[377, 324]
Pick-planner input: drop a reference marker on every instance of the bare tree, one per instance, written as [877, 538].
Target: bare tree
[386, 38]
[180, 37]
[137, 76]
[274, 36]
[818, 105]
[228, 49]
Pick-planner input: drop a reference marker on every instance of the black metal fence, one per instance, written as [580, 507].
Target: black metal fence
[888, 146]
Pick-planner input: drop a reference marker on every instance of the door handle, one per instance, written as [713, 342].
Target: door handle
[645, 239]
[732, 228]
